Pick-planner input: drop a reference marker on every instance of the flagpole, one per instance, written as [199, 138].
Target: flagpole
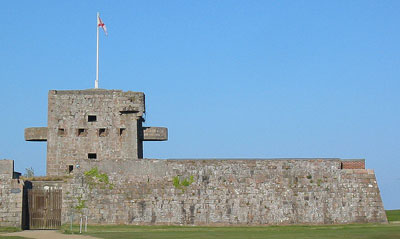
[96, 83]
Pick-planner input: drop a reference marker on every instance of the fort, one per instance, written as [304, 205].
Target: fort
[96, 168]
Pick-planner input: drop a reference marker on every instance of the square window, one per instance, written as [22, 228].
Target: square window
[82, 132]
[61, 132]
[70, 168]
[102, 132]
[92, 156]
[122, 131]
[92, 118]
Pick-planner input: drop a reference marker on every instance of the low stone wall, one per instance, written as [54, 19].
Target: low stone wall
[11, 192]
[223, 192]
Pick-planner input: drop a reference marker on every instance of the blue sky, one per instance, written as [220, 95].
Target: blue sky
[260, 79]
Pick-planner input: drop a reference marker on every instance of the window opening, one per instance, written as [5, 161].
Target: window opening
[70, 168]
[92, 118]
[61, 132]
[122, 131]
[102, 132]
[82, 132]
[92, 156]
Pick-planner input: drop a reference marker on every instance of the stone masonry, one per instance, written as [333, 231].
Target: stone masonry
[95, 139]
[93, 124]
[11, 193]
[226, 192]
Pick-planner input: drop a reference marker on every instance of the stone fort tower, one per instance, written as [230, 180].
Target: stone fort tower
[93, 125]
[101, 131]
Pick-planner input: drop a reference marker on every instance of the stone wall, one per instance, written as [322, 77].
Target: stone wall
[6, 168]
[225, 192]
[96, 124]
[11, 192]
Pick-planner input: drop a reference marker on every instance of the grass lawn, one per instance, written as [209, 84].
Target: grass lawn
[9, 229]
[354, 231]
[393, 215]
[364, 231]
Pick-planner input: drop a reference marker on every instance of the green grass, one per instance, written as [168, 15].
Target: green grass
[359, 231]
[393, 215]
[9, 229]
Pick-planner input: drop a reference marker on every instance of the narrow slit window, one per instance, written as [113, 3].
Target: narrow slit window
[92, 118]
[70, 168]
[122, 131]
[92, 156]
[82, 132]
[103, 132]
[61, 132]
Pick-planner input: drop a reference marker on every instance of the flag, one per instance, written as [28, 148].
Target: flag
[101, 24]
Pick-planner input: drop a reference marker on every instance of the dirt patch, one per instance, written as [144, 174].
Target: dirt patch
[46, 234]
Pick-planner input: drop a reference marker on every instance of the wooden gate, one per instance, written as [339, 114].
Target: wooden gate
[44, 208]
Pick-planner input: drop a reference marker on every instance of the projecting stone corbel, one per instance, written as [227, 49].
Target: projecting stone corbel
[36, 134]
[155, 134]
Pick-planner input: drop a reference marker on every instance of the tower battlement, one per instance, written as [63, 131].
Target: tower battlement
[93, 125]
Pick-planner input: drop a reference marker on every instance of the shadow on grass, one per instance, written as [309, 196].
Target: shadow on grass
[11, 237]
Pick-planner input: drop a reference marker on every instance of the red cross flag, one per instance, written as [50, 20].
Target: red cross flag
[101, 24]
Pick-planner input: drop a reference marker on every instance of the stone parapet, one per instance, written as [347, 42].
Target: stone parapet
[353, 163]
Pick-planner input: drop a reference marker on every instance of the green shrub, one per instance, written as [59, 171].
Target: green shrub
[95, 178]
[182, 184]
